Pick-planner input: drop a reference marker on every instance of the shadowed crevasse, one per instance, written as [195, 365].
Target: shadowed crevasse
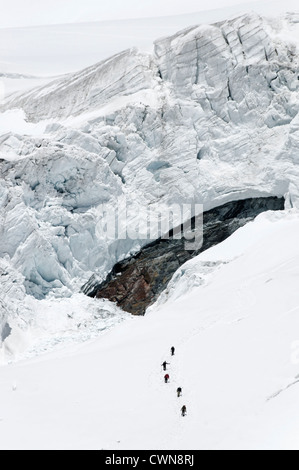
[136, 282]
[6, 330]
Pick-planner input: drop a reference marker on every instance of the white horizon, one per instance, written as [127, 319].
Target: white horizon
[24, 13]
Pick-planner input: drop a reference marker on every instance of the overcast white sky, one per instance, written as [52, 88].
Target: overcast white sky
[37, 12]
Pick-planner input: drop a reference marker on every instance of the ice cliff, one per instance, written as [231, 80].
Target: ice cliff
[211, 116]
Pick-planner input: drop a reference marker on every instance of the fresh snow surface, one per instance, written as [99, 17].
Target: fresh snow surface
[51, 324]
[15, 121]
[235, 329]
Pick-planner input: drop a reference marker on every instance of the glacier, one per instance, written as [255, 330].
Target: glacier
[231, 313]
[210, 117]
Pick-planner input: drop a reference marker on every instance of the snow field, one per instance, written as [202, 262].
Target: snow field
[233, 337]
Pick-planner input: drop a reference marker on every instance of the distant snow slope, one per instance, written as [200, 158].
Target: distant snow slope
[45, 51]
[236, 361]
[210, 117]
[59, 49]
[63, 48]
[15, 82]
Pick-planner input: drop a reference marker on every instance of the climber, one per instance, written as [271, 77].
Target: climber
[184, 410]
[179, 392]
[165, 364]
[172, 350]
[166, 378]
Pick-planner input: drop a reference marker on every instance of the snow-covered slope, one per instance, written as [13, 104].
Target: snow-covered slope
[124, 74]
[32, 56]
[170, 127]
[235, 330]
[53, 49]
[16, 82]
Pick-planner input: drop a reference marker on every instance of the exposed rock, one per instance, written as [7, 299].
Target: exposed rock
[136, 283]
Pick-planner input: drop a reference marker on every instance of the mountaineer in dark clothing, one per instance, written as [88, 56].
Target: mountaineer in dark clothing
[166, 378]
[164, 365]
[184, 410]
[172, 350]
[179, 392]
